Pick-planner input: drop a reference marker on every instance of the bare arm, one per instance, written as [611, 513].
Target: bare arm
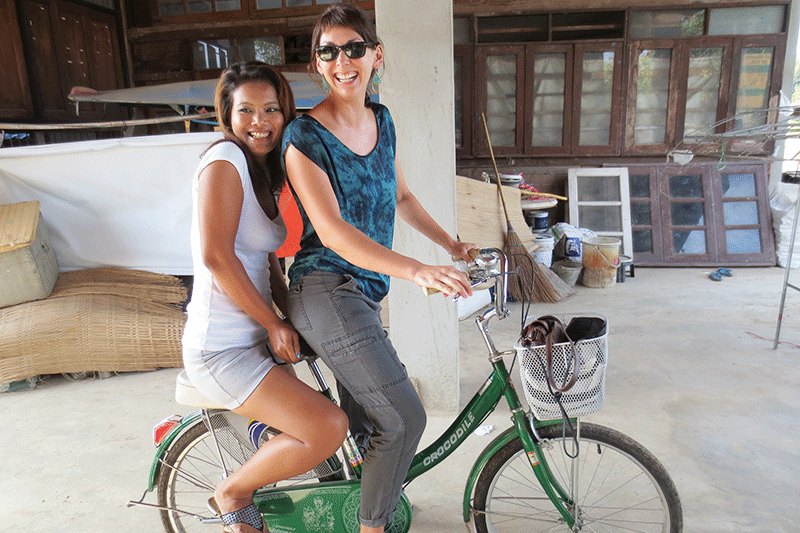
[220, 208]
[312, 187]
[411, 211]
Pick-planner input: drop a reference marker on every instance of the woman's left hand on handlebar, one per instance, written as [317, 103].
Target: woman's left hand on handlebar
[446, 279]
[462, 251]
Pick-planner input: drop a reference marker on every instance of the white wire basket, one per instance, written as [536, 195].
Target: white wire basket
[586, 396]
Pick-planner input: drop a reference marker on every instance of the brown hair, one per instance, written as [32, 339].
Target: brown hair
[347, 16]
[230, 80]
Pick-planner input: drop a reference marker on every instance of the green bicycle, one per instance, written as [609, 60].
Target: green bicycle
[538, 475]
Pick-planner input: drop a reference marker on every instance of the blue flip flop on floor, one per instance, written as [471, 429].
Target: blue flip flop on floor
[721, 271]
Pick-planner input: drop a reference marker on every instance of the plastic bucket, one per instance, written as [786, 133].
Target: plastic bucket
[544, 253]
[600, 261]
[537, 220]
[568, 270]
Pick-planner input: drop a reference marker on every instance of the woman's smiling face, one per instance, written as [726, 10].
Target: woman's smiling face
[256, 117]
[344, 74]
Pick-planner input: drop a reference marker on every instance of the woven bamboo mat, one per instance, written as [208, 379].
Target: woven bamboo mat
[111, 320]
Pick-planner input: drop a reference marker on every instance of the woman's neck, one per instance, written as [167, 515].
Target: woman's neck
[349, 113]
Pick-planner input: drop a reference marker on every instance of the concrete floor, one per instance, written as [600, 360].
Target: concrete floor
[692, 376]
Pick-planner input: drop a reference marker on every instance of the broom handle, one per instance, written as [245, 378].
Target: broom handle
[496, 173]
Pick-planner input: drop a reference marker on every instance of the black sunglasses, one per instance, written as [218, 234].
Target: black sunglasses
[354, 50]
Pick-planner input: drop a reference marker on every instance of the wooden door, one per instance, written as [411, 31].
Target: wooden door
[15, 100]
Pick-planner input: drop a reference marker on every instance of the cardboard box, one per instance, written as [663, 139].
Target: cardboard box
[28, 266]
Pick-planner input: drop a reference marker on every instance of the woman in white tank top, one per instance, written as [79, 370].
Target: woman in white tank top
[233, 334]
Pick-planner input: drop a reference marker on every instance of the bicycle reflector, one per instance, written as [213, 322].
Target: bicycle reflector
[164, 428]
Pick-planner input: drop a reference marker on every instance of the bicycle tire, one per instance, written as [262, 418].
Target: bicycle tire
[622, 486]
[188, 476]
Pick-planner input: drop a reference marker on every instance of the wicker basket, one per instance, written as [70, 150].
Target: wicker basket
[586, 396]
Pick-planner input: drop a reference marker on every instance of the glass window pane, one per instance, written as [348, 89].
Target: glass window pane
[169, 8]
[501, 101]
[212, 54]
[458, 65]
[461, 30]
[268, 4]
[754, 77]
[690, 186]
[549, 73]
[598, 188]
[640, 214]
[689, 242]
[702, 89]
[743, 241]
[652, 96]
[639, 186]
[687, 213]
[666, 24]
[740, 213]
[738, 185]
[600, 218]
[266, 49]
[642, 241]
[596, 91]
[228, 5]
[297, 3]
[198, 6]
[745, 20]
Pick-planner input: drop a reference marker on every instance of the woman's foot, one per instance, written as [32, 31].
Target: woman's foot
[239, 515]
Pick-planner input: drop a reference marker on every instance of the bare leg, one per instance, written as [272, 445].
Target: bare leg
[312, 429]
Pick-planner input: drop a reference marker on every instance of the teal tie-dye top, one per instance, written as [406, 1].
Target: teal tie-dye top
[366, 188]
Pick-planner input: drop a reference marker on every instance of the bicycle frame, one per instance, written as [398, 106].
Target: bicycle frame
[281, 500]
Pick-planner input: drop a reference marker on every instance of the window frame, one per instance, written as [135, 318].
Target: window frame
[479, 143]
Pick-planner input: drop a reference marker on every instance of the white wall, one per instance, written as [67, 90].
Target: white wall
[417, 87]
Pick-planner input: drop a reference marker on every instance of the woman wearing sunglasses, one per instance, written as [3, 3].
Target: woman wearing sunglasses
[342, 165]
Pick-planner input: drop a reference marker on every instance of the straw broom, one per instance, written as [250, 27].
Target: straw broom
[519, 260]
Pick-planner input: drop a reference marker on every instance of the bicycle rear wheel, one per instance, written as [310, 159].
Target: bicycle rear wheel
[192, 469]
[620, 486]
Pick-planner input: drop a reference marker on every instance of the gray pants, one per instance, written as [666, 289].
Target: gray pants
[344, 327]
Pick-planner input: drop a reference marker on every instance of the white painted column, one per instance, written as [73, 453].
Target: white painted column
[417, 88]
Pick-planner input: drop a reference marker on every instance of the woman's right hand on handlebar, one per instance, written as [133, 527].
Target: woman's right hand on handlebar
[446, 279]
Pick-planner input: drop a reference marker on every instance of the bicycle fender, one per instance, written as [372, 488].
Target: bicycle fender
[161, 453]
[499, 441]
[493, 447]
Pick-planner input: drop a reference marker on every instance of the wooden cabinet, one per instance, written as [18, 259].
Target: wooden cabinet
[69, 45]
[15, 100]
[701, 215]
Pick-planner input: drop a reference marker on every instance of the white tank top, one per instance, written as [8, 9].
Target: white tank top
[214, 321]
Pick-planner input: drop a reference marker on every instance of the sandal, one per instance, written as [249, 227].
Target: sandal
[248, 515]
[725, 272]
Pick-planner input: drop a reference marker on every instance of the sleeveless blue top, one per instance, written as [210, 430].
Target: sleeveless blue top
[365, 187]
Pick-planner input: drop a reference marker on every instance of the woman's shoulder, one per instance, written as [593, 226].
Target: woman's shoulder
[225, 151]
[302, 124]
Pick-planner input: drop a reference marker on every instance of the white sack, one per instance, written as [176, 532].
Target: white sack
[783, 202]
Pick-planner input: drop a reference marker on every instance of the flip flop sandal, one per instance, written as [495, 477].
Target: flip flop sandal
[725, 272]
[248, 515]
[716, 276]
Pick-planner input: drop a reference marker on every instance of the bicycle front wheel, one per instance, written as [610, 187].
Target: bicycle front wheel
[618, 486]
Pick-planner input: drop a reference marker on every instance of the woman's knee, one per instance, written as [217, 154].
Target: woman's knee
[329, 429]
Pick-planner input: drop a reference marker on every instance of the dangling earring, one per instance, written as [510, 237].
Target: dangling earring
[376, 79]
[325, 86]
